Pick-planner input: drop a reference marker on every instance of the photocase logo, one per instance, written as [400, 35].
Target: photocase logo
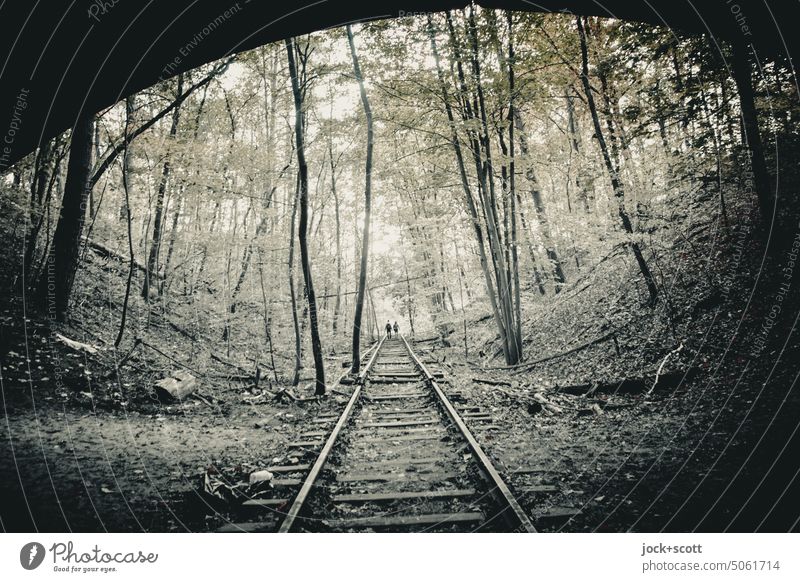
[31, 555]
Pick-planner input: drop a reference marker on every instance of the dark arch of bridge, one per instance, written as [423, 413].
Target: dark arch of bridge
[60, 56]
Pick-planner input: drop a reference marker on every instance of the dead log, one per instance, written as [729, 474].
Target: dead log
[177, 386]
[638, 385]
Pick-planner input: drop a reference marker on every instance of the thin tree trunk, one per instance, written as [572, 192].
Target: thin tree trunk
[470, 200]
[539, 207]
[129, 106]
[616, 183]
[270, 114]
[513, 190]
[338, 305]
[362, 278]
[537, 276]
[155, 245]
[461, 297]
[267, 319]
[316, 344]
[298, 355]
[409, 302]
[41, 177]
[119, 148]
[490, 206]
[575, 146]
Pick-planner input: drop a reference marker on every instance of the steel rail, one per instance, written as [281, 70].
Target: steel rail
[500, 490]
[313, 474]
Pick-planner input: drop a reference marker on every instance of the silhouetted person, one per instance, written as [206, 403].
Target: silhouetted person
[396, 329]
[388, 329]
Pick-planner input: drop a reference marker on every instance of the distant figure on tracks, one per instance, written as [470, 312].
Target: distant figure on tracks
[388, 329]
[396, 329]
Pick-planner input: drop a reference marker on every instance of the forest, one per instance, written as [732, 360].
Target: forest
[589, 223]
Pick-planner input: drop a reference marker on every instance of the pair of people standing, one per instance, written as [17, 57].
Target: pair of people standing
[390, 328]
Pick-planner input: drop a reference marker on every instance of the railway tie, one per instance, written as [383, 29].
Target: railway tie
[399, 458]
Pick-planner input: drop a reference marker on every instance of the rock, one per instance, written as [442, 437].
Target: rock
[260, 477]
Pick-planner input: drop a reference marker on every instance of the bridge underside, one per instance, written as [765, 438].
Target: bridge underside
[62, 56]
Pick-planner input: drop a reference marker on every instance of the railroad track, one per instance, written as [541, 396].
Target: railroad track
[399, 458]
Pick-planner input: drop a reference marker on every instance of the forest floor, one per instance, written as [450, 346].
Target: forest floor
[88, 449]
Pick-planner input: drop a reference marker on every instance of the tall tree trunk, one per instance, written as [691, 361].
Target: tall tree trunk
[337, 307]
[616, 184]
[264, 221]
[155, 245]
[55, 286]
[489, 203]
[41, 177]
[96, 144]
[173, 234]
[267, 317]
[298, 346]
[513, 191]
[362, 277]
[537, 276]
[470, 199]
[539, 207]
[129, 107]
[409, 298]
[742, 74]
[575, 145]
[316, 344]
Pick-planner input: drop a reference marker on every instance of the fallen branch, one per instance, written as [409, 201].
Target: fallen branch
[284, 393]
[180, 330]
[661, 368]
[223, 376]
[222, 360]
[76, 345]
[491, 382]
[537, 396]
[117, 365]
[527, 365]
[181, 364]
